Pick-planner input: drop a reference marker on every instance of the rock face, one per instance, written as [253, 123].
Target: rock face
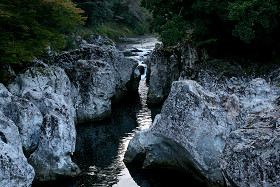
[57, 139]
[93, 86]
[199, 121]
[26, 117]
[14, 168]
[45, 101]
[29, 120]
[45, 116]
[99, 74]
[163, 69]
[251, 155]
[39, 79]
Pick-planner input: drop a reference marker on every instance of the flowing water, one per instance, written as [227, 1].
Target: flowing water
[101, 145]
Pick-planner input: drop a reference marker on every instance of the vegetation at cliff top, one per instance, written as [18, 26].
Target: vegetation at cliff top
[244, 27]
[28, 27]
[115, 17]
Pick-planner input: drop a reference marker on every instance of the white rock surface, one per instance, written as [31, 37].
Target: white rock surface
[199, 122]
[14, 168]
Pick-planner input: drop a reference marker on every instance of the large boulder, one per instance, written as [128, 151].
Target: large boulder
[107, 71]
[57, 142]
[49, 90]
[153, 151]
[44, 78]
[26, 117]
[163, 68]
[14, 168]
[200, 121]
[29, 120]
[251, 155]
[93, 86]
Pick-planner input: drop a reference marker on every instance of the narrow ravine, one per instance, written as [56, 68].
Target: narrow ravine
[101, 145]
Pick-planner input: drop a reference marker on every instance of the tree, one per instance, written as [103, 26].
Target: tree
[241, 26]
[27, 27]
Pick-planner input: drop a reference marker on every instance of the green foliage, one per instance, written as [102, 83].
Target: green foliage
[104, 14]
[97, 11]
[27, 27]
[251, 15]
[236, 25]
[173, 30]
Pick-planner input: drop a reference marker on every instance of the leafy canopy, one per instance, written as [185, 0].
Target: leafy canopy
[27, 27]
[127, 12]
[239, 23]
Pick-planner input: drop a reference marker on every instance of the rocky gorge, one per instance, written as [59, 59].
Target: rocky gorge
[41, 106]
[218, 123]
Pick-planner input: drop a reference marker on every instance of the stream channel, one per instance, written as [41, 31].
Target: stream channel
[101, 145]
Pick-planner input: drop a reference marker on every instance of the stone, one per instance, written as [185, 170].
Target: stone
[199, 121]
[57, 142]
[5, 96]
[39, 79]
[141, 68]
[113, 78]
[26, 117]
[93, 86]
[14, 168]
[46, 118]
[163, 69]
[251, 154]
[274, 77]
[259, 96]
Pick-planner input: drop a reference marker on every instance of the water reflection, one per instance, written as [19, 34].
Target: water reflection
[101, 145]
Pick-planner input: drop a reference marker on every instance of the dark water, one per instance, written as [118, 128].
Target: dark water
[101, 145]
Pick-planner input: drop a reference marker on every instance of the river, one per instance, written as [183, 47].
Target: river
[101, 145]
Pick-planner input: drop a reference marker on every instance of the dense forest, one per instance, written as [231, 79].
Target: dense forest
[224, 28]
[27, 27]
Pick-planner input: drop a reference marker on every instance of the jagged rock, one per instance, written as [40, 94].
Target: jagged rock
[251, 155]
[99, 40]
[200, 121]
[29, 120]
[189, 55]
[49, 89]
[14, 168]
[57, 142]
[44, 78]
[26, 117]
[163, 69]
[274, 77]
[141, 68]
[152, 150]
[133, 86]
[5, 96]
[259, 96]
[114, 78]
[93, 86]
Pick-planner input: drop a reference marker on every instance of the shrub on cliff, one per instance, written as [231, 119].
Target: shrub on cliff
[27, 27]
